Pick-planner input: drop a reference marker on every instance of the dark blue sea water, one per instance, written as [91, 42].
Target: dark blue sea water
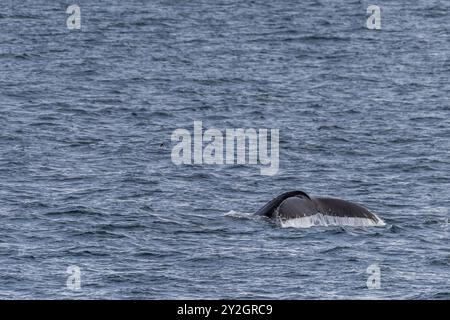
[86, 176]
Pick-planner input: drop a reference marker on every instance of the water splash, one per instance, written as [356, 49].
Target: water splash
[324, 220]
[239, 215]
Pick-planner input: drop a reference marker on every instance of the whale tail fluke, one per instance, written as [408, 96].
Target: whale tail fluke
[269, 208]
[307, 211]
[341, 208]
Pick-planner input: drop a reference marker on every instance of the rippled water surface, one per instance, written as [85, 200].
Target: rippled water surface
[86, 176]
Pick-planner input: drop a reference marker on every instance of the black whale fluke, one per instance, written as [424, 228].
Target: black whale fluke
[298, 204]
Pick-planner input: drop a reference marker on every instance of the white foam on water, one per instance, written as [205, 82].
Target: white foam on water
[325, 220]
[237, 214]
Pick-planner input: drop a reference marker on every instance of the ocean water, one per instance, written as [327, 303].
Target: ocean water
[87, 180]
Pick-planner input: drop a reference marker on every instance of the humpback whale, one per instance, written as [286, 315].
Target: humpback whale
[297, 208]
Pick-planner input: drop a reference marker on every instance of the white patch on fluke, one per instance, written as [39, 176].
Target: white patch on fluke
[324, 220]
